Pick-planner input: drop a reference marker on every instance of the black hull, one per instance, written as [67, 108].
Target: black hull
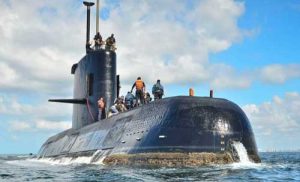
[178, 124]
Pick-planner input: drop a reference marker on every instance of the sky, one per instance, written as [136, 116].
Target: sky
[245, 50]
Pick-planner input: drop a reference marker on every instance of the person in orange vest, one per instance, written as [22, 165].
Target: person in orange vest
[139, 90]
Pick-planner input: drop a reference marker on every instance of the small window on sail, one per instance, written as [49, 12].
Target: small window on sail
[89, 83]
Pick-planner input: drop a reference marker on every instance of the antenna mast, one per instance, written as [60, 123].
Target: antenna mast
[88, 5]
[97, 16]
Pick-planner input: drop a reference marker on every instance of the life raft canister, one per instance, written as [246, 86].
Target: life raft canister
[191, 92]
[139, 84]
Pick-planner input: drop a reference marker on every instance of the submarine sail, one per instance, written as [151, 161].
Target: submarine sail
[94, 77]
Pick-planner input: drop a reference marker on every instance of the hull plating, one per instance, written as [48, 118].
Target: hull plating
[177, 124]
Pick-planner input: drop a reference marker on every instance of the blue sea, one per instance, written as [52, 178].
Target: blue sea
[275, 166]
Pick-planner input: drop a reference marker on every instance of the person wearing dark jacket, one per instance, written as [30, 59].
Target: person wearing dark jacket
[111, 43]
[98, 40]
[129, 100]
[157, 90]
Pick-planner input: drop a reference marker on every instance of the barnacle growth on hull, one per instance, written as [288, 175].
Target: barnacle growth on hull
[169, 159]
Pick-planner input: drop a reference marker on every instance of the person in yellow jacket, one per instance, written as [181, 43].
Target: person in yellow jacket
[139, 90]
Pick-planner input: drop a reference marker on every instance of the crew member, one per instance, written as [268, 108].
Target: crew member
[98, 40]
[157, 90]
[120, 105]
[147, 98]
[111, 43]
[139, 90]
[113, 109]
[101, 109]
[129, 98]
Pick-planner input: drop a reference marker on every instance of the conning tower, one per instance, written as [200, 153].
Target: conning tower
[94, 77]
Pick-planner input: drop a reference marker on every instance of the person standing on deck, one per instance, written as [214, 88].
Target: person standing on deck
[157, 90]
[140, 88]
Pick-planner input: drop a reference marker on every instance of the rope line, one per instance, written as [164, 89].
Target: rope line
[89, 109]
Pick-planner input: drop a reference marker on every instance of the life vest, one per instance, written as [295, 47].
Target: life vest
[139, 85]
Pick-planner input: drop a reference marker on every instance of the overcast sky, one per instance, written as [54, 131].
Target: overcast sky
[247, 51]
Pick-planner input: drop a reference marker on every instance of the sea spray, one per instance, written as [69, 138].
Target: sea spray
[94, 159]
[242, 152]
[243, 156]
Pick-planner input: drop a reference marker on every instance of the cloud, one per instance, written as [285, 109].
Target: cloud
[11, 106]
[278, 74]
[35, 51]
[38, 125]
[19, 126]
[225, 76]
[277, 117]
[158, 39]
[34, 117]
[169, 39]
[51, 125]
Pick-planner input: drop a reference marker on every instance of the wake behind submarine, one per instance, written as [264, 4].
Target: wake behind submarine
[174, 131]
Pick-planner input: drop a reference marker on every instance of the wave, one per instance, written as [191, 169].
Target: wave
[94, 159]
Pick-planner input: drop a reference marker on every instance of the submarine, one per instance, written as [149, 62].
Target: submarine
[173, 131]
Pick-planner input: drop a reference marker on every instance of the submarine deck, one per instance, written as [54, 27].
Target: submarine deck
[177, 124]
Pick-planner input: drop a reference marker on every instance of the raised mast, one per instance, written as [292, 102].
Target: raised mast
[97, 16]
[88, 5]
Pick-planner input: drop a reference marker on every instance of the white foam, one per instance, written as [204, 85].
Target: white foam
[100, 161]
[242, 152]
[58, 161]
[243, 155]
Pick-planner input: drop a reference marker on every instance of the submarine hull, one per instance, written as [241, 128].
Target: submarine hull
[172, 126]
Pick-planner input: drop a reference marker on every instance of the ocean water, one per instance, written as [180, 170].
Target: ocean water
[283, 166]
